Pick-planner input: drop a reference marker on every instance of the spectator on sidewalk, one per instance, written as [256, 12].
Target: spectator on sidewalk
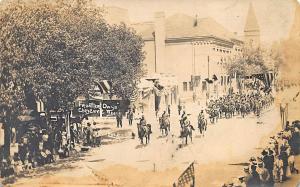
[130, 117]
[119, 117]
[264, 175]
[278, 169]
[291, 161]
[179, 108]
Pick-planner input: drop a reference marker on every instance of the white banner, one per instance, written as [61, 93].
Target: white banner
[1, 135]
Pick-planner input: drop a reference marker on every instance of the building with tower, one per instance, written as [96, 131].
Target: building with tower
[251, 30]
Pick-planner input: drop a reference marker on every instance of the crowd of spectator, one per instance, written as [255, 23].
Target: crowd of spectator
[275, 163]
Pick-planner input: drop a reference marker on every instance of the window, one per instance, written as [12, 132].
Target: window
[184, 86]
[191, 86]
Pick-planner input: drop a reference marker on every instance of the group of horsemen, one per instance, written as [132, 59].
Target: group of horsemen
[229, 105]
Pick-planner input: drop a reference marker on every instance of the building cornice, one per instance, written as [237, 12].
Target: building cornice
[211, 39]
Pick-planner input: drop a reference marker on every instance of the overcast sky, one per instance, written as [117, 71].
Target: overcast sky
[274, 16]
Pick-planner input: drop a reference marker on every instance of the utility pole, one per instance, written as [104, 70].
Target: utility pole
[155, 65]
[208, 76]
[194, 73]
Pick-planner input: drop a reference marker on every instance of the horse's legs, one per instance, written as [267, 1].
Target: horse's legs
[186, 140]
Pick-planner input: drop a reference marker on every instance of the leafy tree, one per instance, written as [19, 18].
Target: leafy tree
[250, 61]
[53, 51]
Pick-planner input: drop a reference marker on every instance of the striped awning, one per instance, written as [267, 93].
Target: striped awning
[104, 86]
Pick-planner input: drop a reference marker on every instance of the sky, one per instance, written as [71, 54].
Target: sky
[275, 17]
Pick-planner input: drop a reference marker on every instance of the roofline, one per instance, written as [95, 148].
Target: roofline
[216, 40]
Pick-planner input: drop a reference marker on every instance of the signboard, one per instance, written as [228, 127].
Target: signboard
[110, 107]
[104, 108]
[90, 108]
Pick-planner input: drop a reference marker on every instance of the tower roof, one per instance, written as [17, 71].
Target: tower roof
[251, 22]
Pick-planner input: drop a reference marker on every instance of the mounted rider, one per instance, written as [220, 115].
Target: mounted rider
[201, 116]
[164, 119]
[143, 123]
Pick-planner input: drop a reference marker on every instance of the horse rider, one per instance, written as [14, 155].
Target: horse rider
[143, 121]
[201, 115]
[183, 114]
[185, 122]
[164, 116]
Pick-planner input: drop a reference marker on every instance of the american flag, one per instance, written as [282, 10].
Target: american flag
[187, 177]
[267, 78]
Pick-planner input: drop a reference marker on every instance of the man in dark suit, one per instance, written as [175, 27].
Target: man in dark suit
[119, 119]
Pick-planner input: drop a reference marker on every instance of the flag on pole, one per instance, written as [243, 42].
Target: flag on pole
[187, 177]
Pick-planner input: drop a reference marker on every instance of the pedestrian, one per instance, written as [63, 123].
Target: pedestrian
[269, 163]
[130, 117]
[88, 133]
[179, 108]
[264, 175]
[255, 180]
[169, 110]
[278, 169]
[291, 161]
[284, 157]
[119, 119]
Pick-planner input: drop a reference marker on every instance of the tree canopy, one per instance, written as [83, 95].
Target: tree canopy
[57, 49]
[251, 61]
[54, 51]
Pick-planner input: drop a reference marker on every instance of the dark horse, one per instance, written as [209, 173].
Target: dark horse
[164, 126]
[202, 125]
[187, 131]
[144, 132]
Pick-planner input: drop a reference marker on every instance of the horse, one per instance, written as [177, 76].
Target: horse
[202, 125]
[164, 125]
[187, 131]
[144, 132]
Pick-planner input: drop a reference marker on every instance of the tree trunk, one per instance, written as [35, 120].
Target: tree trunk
[7, 139]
